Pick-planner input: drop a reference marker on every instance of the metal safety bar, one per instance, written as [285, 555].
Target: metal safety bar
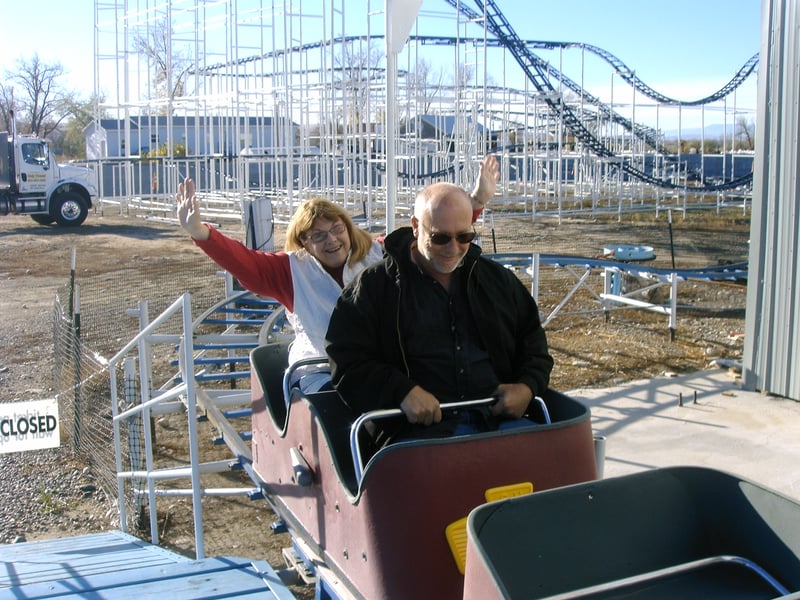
[289, 373]
[355, 447]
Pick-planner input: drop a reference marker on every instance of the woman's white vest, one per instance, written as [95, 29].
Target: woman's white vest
[315, 295]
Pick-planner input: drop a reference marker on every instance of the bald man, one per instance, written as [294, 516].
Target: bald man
[435, 322]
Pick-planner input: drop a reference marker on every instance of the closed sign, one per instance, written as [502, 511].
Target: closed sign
[29, 425]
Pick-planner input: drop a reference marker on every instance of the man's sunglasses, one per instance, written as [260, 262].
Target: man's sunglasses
[441, 239]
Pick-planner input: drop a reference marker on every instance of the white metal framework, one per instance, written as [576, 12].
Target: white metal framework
[289, 99]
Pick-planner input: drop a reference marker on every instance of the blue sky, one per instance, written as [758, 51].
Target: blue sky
[667, 42]
[682, 48]
[56, 30]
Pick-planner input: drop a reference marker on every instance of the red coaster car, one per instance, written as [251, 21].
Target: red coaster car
[383, 532]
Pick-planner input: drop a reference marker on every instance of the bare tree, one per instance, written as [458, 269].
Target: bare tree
[34, 93]
[7, 105]
[426, 84]
[745, 133]
[169, 66]
[357, 67]
[464, 76]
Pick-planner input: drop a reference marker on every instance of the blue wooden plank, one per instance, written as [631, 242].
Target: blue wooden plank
[244, 435]
[215, 360]
[47, 560]
[118, 565]
[244, 322]
[221, 360]
[217, 376]
[238, 413]
[224, 577]
[254, 301]
[223, 346]
[254, 312]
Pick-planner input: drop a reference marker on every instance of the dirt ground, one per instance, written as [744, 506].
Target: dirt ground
[590, 349]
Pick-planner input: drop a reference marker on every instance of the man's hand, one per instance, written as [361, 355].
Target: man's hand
[513, 400]
[421, 407]
[487, 182]
[188, 213]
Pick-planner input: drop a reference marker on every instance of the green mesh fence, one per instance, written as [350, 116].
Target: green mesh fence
[84, 341]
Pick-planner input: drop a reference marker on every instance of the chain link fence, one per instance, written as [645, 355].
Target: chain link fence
[93, 318]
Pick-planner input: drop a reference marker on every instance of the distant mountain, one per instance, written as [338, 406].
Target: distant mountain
[711, 132]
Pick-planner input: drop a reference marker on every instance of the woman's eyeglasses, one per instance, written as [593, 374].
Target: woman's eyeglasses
[441, 239]
[321, 235]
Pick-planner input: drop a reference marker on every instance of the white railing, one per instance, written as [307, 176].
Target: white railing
[134, 411]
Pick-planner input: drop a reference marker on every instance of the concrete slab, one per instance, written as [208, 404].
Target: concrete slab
[701, 419]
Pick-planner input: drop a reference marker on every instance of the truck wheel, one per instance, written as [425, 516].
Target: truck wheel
[43, 219]
[69, 210]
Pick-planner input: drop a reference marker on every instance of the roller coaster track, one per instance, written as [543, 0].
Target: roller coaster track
[536, 70]
[625, 72]
[630, 77]
[620, 67]
[643, 132]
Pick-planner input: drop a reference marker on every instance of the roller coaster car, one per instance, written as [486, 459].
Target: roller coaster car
[677, 532]
[389, 529]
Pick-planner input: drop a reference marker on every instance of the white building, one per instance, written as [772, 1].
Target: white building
[190, 135]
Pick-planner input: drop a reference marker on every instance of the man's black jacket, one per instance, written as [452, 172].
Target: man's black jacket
[367, 352]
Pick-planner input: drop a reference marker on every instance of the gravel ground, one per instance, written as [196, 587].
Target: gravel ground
[50, 493]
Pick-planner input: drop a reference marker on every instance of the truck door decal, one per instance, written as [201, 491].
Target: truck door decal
[32, 168]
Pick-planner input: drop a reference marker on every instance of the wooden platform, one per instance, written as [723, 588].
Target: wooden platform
[118, 565]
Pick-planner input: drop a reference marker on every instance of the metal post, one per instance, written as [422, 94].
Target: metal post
[671, 242]
[673, 305]
[191, 415]
[600, 454]
[145, 387]
[76, 356]
[135, 441]
[391, 86]
[398, 24]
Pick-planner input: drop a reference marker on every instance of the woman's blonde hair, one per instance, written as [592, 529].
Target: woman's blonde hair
[318, 208]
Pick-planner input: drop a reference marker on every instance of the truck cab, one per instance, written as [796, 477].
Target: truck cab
[31, 182]
[33, 162]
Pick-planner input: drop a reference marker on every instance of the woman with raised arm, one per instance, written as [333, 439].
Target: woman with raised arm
[323, 252]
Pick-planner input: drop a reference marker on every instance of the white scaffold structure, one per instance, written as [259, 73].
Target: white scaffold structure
[288, 100]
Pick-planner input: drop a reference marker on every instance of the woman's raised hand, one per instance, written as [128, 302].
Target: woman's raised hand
[188, 212]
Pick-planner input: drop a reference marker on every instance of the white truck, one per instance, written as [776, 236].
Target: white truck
[32, 183]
